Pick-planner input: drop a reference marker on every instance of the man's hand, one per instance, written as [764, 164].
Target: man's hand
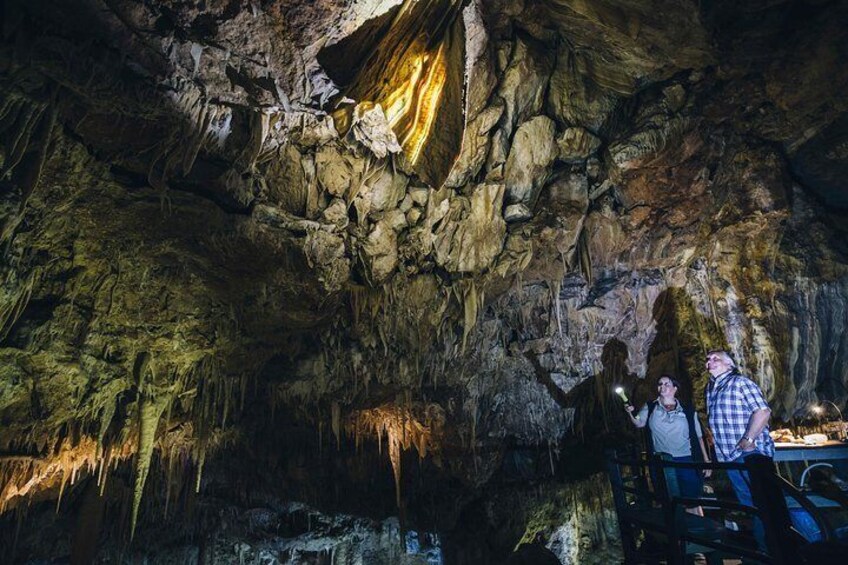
[745, 445]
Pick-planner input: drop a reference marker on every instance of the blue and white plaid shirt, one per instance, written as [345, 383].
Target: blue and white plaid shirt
[731, 399]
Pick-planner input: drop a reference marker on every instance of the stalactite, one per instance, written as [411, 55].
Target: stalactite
[336, 423]
[10, 313]
[583, 257]
[9, 110]
[101, 480]
[66, 462]
[22, 127]
[32, 174]
[402, 430]
[201, 462]
[259, 129]
[169, 479]
[202, 123]
[557, 288]
[470, 309]
[394, 457]
[149, 412]
[62, 484]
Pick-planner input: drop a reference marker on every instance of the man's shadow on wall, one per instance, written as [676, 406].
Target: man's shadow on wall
[597, 411]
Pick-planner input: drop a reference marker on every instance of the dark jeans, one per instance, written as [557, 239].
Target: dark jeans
[689, 482]
[741, 482]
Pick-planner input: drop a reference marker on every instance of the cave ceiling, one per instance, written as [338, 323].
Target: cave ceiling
[413, 218]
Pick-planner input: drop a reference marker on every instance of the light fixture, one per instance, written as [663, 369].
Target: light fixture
[821, 410]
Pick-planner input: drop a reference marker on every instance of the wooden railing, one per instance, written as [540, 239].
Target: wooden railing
[661, 511]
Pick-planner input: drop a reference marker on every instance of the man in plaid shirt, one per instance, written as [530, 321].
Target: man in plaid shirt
[738, 417]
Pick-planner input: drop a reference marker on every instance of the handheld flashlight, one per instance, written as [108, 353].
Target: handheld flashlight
[620, 392]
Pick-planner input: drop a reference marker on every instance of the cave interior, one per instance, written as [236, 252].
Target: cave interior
[352, 281]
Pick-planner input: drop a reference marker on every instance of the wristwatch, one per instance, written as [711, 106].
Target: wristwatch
[749, 439]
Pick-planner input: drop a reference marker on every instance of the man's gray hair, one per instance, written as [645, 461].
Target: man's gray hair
[724, 355]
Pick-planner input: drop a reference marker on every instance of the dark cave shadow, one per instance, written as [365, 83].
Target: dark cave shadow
[664, 352]
[597, 411]
[678, 350]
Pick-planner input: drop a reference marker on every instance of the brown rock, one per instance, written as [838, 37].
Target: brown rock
[290, 179]
[388, 189]
[413, 216]
[371, 129]
[325, 253]
[310, 129]
[530, 159]
[419, 195]
[517, 213]
[576, 144]
[475, 147]
[479, 63]
[471, 238]
[336, 213]
[523, 85]
[574, 97]
[334, 170]
[381, 254]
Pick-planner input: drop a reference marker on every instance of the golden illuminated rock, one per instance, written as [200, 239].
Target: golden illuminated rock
[409, 61]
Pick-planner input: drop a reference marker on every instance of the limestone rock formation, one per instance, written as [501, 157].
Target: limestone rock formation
[471, 235]
[389, 257]
[530, 158]
[577, 144]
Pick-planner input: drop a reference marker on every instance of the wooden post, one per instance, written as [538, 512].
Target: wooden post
[666, 488]
[625, 528]
[768, 498]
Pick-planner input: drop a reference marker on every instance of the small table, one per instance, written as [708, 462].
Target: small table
[788, 453]
[826, 451]
[808, 456]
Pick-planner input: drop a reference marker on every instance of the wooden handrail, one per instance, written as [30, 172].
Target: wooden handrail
[768, 488]
[712, 465]
[722, 503]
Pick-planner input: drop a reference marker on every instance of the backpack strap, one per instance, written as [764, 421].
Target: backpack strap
[694, 444]
[649, 438]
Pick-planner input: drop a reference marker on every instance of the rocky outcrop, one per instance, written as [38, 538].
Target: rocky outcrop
[576, 144]
[523, 84]
[472, 232]
[574, 98]
[530, 158]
